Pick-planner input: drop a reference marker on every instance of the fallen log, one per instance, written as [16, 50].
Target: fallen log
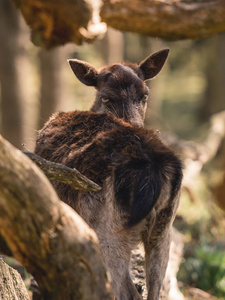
[48, 237]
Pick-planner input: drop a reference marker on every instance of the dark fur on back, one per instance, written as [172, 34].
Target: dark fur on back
[99, 146]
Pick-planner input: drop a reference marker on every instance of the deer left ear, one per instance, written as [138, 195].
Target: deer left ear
[85, 72]
[153, 64]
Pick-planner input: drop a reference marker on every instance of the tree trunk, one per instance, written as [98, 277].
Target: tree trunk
[11, 59]
[47, 236]
[51, 83]
[214, 97]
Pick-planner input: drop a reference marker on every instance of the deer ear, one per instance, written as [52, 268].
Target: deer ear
[86, 73]
[152, 65]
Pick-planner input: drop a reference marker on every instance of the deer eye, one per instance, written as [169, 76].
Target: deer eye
[145, 98]
[105, 100]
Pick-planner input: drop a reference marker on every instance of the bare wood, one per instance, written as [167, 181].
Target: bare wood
[168, 19]
[48, 237]
[61, 173]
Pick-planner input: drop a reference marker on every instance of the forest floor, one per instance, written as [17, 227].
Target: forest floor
[138, 276]
[180, 292]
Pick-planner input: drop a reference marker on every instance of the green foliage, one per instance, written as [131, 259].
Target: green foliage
[205, 270]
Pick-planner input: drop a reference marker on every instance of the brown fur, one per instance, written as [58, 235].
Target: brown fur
[139, 175]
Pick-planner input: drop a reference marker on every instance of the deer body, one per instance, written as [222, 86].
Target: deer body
[139, 175]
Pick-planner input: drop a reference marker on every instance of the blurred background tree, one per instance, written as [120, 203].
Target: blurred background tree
[35, 82]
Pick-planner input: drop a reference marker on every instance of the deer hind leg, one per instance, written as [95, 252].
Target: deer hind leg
[156, 259]
[157, 246]
[116, 255]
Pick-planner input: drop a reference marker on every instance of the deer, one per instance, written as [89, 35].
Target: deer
[140, 176]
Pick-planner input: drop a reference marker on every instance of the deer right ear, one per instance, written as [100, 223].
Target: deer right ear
[153, 64]
[86, 73]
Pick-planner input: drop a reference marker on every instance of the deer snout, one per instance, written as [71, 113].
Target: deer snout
[134, 117]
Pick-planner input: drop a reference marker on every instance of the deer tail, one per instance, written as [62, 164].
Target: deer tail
[138, 187]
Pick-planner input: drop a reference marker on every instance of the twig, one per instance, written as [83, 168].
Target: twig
[61, 173]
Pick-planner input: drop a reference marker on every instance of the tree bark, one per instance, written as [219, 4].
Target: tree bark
[48, 237]
[58, 23]
[61, 173]
[167, 19]
[11, 284]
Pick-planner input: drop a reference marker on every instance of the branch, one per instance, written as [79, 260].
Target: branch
[61, 173]
[47, 236]
[167, 19]
[54, 23]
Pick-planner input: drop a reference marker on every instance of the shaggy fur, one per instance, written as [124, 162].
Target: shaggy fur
[139, 175]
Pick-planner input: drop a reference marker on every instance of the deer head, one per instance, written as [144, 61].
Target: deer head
[121, 88]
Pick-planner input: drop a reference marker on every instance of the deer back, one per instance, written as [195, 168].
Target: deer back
[102, 146]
